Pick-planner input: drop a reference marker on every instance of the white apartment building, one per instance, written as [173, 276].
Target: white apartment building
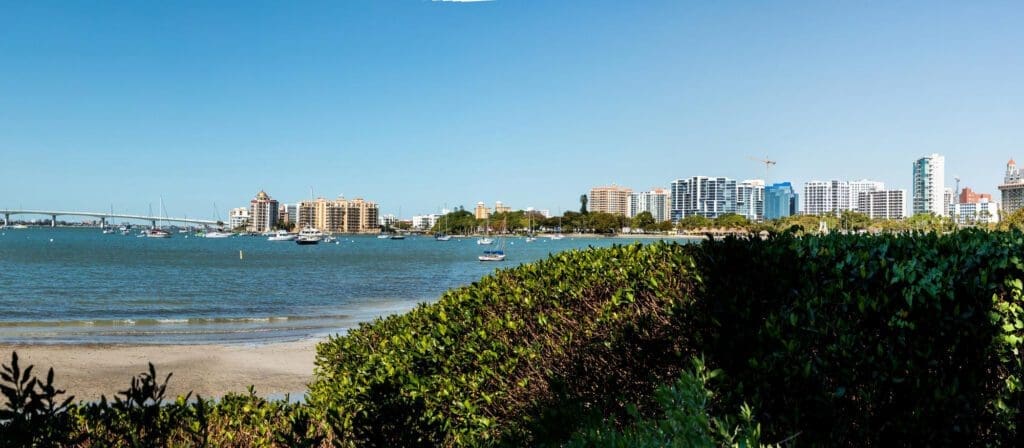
[826, 197]
[750, 199]
[983, 212]
[883, 204]
[862, 186]
[656, 201]
[238, 217]
[929, 187]
[425, 222]
[709, 197]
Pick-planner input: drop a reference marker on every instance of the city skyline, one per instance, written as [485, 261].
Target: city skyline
[422, 104]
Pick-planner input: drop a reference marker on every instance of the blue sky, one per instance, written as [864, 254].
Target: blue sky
[415, 104]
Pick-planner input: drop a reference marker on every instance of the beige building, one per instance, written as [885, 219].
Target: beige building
[339, 215]
[1012, 188]
[262, 213]
[481, 211]
[501, 208]
[613, 199]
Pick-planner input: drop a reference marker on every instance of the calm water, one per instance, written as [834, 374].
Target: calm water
[86, 287]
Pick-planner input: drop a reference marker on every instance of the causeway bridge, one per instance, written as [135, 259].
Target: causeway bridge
[102, 216]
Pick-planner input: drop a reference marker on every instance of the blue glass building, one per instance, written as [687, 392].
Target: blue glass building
[780, 200]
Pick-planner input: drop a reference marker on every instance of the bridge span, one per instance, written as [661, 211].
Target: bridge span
[102, 216]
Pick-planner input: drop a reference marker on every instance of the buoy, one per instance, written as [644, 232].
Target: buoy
[240, 255]
[51, 240]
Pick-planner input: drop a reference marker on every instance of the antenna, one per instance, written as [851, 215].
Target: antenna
[767, 164]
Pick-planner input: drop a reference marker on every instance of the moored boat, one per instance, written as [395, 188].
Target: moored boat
[281, 235]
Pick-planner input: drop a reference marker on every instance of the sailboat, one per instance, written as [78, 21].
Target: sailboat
[494, 255]
[108, 228]
[443, 236]
[558, 235]
[156, 232]
[530, 237]
[486, 240]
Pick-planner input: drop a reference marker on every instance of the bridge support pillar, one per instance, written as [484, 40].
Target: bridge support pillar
[152, 224]
[103, 222]
[53, 220]
[7, 219]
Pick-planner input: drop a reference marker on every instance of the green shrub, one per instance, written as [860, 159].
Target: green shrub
[517, 357]
[864, 341]
[837, 340]
[683, 420]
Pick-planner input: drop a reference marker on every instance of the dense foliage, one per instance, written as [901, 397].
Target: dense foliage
[848, 340]
[839, 340]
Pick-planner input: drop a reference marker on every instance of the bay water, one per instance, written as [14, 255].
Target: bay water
[77, 285]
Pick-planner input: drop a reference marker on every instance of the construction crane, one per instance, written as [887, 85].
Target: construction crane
[767, 164]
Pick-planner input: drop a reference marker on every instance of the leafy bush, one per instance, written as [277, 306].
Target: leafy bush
[837, 340]
[683, 420]
[517, 357]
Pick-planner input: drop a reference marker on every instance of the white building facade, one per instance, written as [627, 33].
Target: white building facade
[969, 214]
[238, 217]
[929, 188]
[883, 204]
[709, 197]
[750, 199]
[656, 201]
[862, 186]
[826, 197]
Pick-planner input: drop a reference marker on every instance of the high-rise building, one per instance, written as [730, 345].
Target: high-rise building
[948, 200]
[861, 186]
[656, 201]
[613, 199]
[1012, 188]
[286, 214]
[883, 204]
[929, 187]
[826, 197]
[709, 197]
[750, 199]
[425, 222]
[339, 215]
[262, 213]
[780, 201]
[481, 211]
[238, 217]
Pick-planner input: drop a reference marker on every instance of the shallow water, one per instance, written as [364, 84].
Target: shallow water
[87, 287]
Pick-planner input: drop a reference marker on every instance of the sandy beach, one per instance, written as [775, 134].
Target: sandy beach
[87, 371]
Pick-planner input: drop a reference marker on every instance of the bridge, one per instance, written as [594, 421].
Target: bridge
[102, 216]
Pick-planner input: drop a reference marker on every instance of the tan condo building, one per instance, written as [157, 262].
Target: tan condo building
[613, 199]
[262, 213]
[481, 211]
[339, 215]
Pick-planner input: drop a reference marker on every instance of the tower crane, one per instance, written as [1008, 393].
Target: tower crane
[767, 164]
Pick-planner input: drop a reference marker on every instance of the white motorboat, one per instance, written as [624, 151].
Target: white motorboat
[383, 236]
[492, 255]
[485, 241]
[309, 235]
[281, 235]
[217, 234]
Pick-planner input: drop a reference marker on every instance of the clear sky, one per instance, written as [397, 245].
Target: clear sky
[416, 104]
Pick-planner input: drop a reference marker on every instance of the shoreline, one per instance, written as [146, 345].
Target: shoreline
[211, 370]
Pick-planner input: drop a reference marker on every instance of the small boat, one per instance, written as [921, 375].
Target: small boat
[281, 235]
[330, 239]
[108, 230]
[442, 237]
[397, 237]
[531, 239]
[485, 241]
[492, 255]
[19, 226]
[557, 236]
[383, 236]
[217, 234]
[309, 235]
[156, 233]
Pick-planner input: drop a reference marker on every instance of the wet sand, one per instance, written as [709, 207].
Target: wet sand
[87, 371]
